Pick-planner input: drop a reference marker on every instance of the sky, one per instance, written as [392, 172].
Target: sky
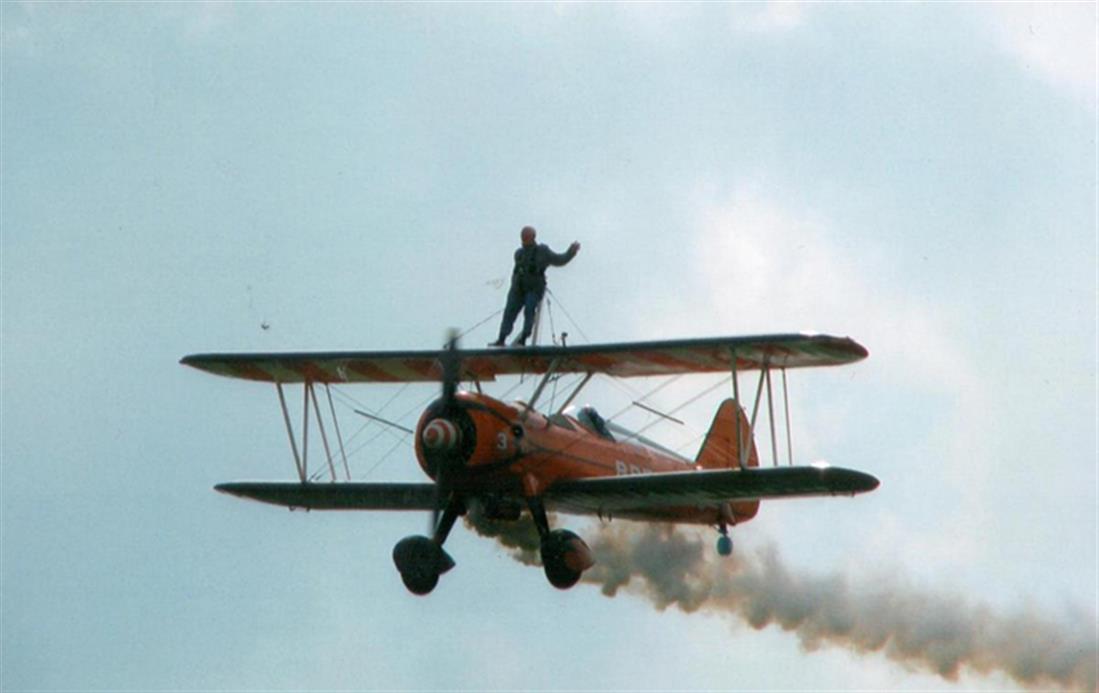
[193, 177]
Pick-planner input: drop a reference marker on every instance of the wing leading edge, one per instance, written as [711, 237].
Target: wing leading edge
[625, 360]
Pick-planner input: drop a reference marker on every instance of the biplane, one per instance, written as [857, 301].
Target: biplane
[507, 457]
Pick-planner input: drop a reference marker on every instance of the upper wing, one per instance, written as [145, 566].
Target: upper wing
[608, 495]
[341, 496]
[708, 355]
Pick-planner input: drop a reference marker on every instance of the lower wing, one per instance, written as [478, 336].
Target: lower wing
[700, 489]
[335, 496]
[704, 489]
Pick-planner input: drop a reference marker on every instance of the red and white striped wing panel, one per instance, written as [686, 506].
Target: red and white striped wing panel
[629, 360]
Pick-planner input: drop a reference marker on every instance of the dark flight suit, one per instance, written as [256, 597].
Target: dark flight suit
[528, 285]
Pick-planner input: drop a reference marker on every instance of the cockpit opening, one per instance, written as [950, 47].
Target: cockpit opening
[590, 419]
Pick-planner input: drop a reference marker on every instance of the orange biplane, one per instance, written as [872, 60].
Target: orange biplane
[507, 457]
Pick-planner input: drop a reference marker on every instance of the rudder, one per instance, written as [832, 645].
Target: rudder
[718, 450]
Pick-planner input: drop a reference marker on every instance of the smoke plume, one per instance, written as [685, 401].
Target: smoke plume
[935, 632]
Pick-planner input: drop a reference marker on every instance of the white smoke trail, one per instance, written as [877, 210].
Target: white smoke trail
[937, 632]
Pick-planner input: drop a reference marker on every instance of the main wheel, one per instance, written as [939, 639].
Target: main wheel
[565, 557]
[420, 562]
[420, 582]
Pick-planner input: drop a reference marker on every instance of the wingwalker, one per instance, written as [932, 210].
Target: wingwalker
[507, 457]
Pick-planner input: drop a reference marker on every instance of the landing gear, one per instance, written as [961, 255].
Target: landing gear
[724, 542]
[421, 560]
[565, 556]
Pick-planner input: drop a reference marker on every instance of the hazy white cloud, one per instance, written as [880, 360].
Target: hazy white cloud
[769, 17]
[202, 20]
[1056, 40]
[757, 266]
[763, 268]
[660, 24]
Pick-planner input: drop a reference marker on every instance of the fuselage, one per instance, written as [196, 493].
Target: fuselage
[504, 447]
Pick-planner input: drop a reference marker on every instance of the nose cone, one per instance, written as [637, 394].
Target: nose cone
[441, 435]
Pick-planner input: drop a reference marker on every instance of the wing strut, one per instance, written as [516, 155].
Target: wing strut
[312, 392]
[755, 407]
[764, 377]
[576, 391]
[771, 419]
[786, 403]
[290, 432]
[301, 456]
[541, 386]
[736, 404]
[339, 436]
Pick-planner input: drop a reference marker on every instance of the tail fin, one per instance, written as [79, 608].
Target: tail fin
[719, 450]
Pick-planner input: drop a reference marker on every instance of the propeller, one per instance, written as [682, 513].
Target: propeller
[451, 364]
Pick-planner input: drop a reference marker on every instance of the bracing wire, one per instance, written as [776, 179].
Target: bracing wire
[351, 403]
[402, 437]
[566, 312]
[644, 397]
[490, 317]
[553, 330]
[382, 459]
[692, 400]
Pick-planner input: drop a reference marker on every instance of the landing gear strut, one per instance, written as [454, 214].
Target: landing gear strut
[565, 556]
[421, 560]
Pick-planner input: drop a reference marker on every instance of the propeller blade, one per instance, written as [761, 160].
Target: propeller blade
[442, 497]
[451, 363]
[451, 367]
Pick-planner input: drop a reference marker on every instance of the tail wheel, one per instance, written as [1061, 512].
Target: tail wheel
[724, 545]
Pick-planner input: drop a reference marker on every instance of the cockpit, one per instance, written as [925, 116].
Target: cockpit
[590, 419]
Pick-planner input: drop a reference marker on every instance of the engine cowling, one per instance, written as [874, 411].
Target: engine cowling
[472, 431]
[444, 435]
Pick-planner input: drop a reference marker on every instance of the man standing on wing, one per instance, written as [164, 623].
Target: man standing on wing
[528, 283]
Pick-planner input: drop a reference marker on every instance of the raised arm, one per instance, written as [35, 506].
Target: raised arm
[559, 259]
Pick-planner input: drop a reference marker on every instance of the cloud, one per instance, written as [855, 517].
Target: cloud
[930, 412]
[759, 267]
[769, 17]
[1055, 40]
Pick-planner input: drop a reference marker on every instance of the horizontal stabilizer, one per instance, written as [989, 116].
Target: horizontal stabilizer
[335, 496]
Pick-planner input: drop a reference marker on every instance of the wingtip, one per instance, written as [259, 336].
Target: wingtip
[851, 480]
[228, 489]
[867, 482]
